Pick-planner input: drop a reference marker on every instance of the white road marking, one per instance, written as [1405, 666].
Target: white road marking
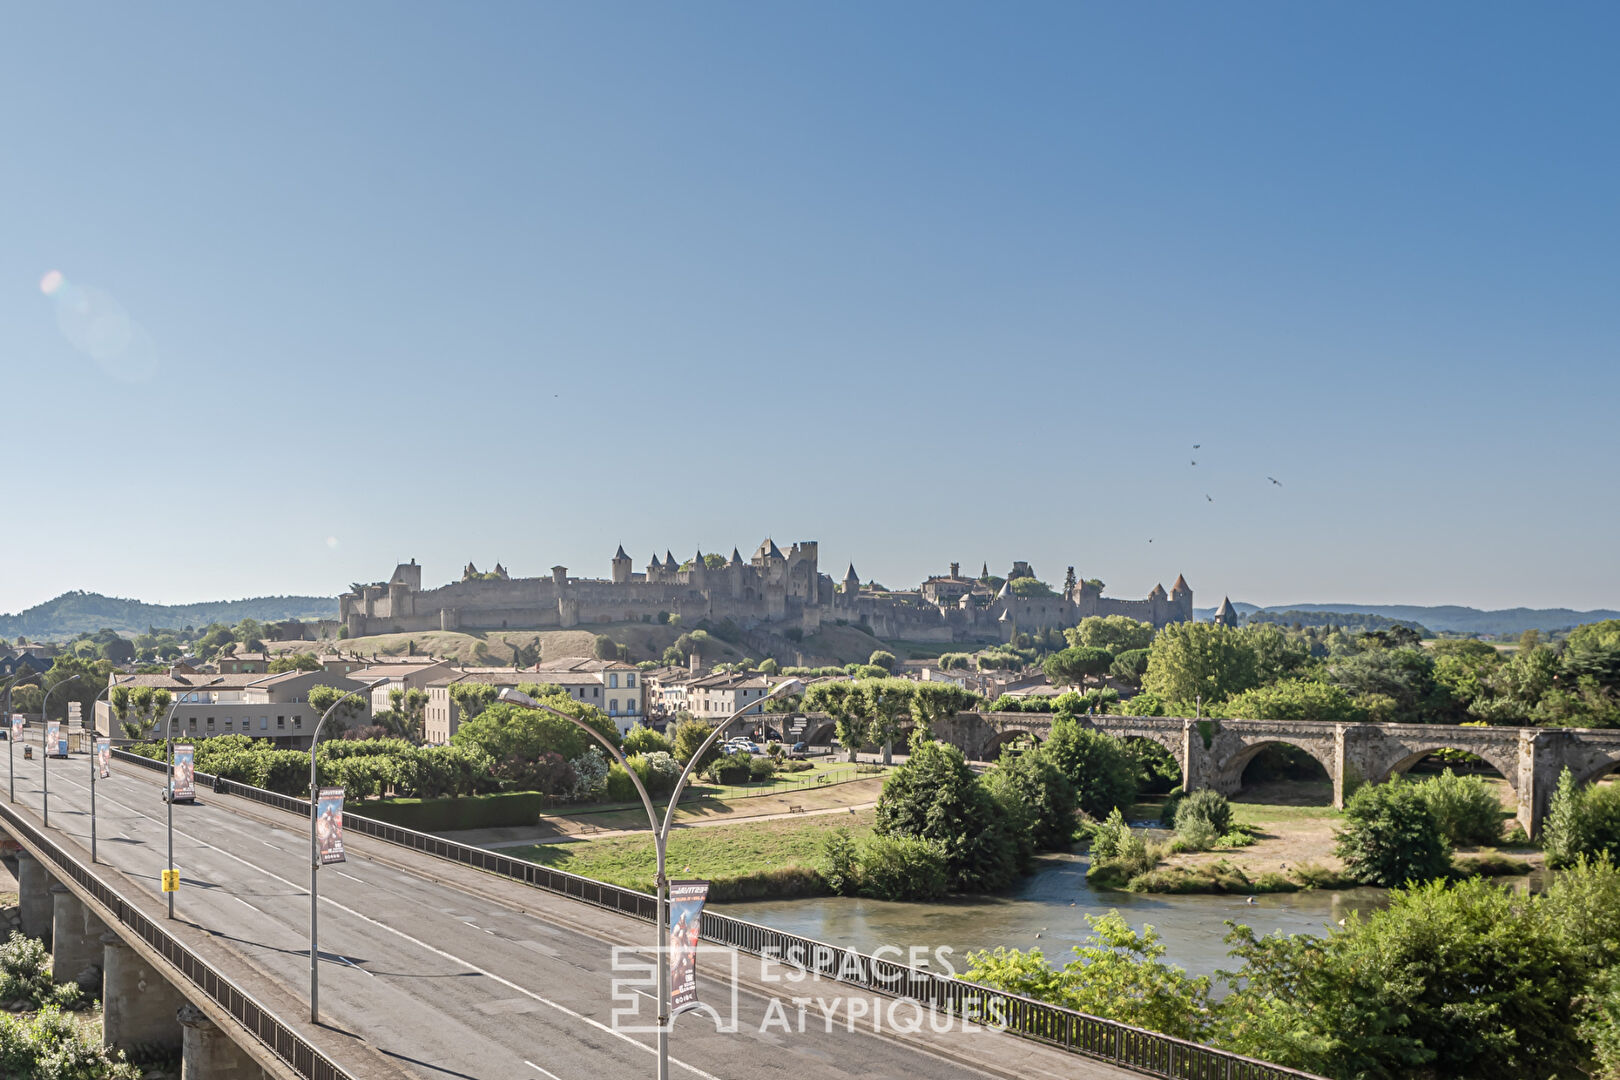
[419, 943]
[542, 1072]
[354, 965]
[239, 900]
[351, 877]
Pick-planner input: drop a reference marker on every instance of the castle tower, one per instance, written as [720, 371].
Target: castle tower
[655, 569]
[736, 560]
[621, 567]
[852, 583]
[1226, 614]
[1158, 603]
[699, 567]
[1181, 601]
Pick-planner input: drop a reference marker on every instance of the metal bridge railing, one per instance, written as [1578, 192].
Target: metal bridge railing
[1135, 1048]
[281, 1040]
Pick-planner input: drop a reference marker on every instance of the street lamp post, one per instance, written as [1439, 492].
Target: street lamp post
[11, 743]
[168, 782]
[95, 765]
[660, 833]
[45, 733]
[315, 862]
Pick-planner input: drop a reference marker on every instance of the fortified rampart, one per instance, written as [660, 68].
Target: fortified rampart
[774, 589]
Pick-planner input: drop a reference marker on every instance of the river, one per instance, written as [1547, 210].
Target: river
[1048, 911]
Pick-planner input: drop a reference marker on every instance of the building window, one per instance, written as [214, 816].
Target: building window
[596, 691]
[264, 723]
[613, 707]
[630, 681]
[281, 721]
[613, 680]
[210, 721]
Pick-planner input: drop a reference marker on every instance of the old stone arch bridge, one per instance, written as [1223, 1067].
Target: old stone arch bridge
[1213, 753]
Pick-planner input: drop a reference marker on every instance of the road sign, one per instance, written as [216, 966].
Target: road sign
[171, 881]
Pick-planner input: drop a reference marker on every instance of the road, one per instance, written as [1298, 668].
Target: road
[443, 972]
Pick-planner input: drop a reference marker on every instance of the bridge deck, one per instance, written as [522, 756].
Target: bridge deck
[431, 969]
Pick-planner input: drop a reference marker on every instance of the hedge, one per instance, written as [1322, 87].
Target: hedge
[466, 812]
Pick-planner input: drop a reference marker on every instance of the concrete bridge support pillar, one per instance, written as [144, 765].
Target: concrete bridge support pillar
[33, 887]
[1352, 759]
[207, 1053]
[1197, 768]
[138, 1004]
[73, 952]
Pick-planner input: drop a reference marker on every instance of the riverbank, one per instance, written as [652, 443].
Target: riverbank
[1292, 825]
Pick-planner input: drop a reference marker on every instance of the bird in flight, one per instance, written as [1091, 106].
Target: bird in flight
[1274, 480]
[1150, 539]
[1206, 496]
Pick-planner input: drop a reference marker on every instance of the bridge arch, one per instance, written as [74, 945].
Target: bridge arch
[1229, 771]
[1416, 752]
[1593, 773]
[1006, 736]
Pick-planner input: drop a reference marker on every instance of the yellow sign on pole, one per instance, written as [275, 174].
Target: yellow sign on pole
[171, 881]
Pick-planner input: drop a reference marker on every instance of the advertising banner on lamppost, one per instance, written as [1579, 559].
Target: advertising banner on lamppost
[685, 921]
[104, 757]
[183, 773]
[17, 722]
[75, 716]
[329, 825]
[55, 739]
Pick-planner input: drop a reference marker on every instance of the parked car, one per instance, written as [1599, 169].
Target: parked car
[800, 749]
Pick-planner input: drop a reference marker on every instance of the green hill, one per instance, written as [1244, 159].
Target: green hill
[81, 612]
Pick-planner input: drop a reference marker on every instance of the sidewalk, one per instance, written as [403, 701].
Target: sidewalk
[704, 823]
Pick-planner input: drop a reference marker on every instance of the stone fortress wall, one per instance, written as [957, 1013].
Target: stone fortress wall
[774, 589]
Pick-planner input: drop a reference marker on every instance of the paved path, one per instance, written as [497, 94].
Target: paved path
[700, 823]
[433, 970]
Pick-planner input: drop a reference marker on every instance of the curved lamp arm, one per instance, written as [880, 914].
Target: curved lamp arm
[686, 773]
[524, 701]
[315, 738]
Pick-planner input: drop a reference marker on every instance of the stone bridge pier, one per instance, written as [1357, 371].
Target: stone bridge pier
[143, 1013]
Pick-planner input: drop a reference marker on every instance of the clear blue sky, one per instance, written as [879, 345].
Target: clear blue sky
[343, 284]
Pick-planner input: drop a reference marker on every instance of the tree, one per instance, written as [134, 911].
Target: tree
[411, 706]
[1582, 821]
[1118, 974]
[1030, 588]
[322, 697]
[1099, 766]
[1199, 663]
[1073, 666]
[644, 740]
[935, 796]
[1129, 666]
[605, 647]
[1294, 699]
[1465, 981]
[689, 736]
[517, 739]
[119, 651]
[882, 659]
[472, 698]
[935, 701]
[1035, 781]
[89, 678]
[1402, 677]
[886, 705]
[294, 662]
[1278, 653]
[1391, 836]
[835, 699]
[769, 666]
[1116, 633]
[26, 699]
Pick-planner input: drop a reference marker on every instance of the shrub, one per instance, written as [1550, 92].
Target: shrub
[881, 659]
[590, 775]
[734, 768]
[1207, 808]
[840, 865]
[1465, 807]
[902, 868]
[1581, 821]
[644, 740]
[935, 796]
[761, 768]
[1034, 781]
[1391, 836]
[496, 810]
[619, 786]
[25, 974]
[50, 1046]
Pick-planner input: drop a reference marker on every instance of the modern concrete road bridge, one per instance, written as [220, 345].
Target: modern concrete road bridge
[1213, 753]
[432, 969]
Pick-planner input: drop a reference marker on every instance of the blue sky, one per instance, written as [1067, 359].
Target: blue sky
[346, 284]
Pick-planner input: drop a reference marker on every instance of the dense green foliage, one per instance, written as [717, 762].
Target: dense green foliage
[934, 796]
[363, 767]
[499, 809]
[1582, 821]
[50, 1046]
[1391, 836]
[1031, 785]
[1465, 808]
[1100, 767]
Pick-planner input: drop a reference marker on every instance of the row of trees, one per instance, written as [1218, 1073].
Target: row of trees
[1452, 980]
[874, 711]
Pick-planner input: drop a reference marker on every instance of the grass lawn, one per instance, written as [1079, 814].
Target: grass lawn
[764, 858]
[843, 787]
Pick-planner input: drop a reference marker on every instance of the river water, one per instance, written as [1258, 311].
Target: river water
[1048, 912]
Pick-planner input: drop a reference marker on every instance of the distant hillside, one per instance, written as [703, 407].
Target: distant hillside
[1449, 618]
[74, 612]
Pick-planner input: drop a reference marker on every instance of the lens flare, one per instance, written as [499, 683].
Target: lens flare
[50, 282]
[331, 541]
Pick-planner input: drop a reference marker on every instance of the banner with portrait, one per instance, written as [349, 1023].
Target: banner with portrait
[183, 773]
[329, 825]
[55, 739]
[685, 922]
[104, 758]
[17, 722]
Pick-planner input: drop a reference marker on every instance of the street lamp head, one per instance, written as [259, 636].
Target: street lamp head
[516, 697]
